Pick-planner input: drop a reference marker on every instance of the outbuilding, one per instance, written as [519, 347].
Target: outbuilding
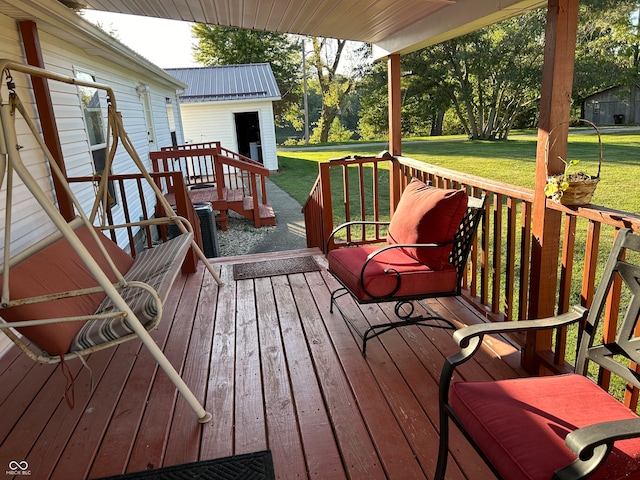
[614, 105]
[233, 105]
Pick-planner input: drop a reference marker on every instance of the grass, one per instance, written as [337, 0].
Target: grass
[511, 161]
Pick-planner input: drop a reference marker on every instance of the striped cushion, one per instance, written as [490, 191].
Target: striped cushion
[157, 268]
[57, 268]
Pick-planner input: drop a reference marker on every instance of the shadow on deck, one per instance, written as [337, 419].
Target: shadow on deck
[276, 370]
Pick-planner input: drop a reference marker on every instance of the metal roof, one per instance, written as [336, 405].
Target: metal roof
[227, 82]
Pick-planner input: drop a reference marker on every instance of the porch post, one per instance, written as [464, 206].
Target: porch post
[555, 105]
[395, 130]
[44, 104]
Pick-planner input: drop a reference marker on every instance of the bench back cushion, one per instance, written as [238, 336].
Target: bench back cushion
[425, 215]
[54, 269]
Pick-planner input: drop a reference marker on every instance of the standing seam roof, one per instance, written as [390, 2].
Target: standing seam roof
[227, 82]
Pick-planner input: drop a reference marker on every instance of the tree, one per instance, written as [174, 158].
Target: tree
[494, 73]
[608, 48]
[491, 78]
[334, 87]
[486, 78]
[231, 46]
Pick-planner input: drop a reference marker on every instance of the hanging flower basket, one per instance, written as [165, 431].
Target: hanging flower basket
[572, 189]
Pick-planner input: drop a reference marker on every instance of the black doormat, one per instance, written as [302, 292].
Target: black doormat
[271, 268]
[251, 466]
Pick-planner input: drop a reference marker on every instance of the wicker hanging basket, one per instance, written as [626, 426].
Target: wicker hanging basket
[573, 189]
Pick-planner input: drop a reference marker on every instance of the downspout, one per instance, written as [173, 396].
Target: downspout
[44, 105]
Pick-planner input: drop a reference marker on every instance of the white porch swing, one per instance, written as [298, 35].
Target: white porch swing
[76, 291]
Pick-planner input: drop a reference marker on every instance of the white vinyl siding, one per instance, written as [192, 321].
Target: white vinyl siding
[214, 122]
[63, 58]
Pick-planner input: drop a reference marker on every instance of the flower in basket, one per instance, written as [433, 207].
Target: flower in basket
[573, 189]
[578, 187]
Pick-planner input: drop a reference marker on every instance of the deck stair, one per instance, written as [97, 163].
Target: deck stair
[226, 179]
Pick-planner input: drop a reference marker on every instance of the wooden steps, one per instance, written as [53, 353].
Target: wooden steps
[225, 179]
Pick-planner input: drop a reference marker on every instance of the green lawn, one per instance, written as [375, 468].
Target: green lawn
[511, 161]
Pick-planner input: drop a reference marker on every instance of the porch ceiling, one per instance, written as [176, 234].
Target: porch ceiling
[392, 26]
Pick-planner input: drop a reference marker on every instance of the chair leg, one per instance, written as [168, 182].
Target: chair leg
[431, 320]
[443, 447]
[336, 294]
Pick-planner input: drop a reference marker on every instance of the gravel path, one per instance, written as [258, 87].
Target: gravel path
[241, 236]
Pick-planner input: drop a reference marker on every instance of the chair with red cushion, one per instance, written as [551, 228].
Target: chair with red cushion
[428, 243]
[562, 426]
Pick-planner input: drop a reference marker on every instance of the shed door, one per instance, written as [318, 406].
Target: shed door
[248, 135]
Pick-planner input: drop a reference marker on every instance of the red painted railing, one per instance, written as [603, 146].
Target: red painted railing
[234, 176]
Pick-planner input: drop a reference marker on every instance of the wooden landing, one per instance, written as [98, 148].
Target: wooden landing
[276, 370]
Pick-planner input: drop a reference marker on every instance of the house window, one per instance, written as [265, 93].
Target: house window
[92, 110]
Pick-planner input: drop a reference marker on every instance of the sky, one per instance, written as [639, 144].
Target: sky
[167, 43]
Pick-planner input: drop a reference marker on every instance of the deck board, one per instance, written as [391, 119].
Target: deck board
[276, 369]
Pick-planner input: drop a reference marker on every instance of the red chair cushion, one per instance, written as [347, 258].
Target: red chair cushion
[54, 269]
[521, 424]
[427, 215]
[417, 279]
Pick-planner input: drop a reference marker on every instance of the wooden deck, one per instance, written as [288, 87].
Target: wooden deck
[277, 371]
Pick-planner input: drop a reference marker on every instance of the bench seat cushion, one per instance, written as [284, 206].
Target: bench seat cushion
[158, 268]
[54, 269]
[518, 424]
[416, 278]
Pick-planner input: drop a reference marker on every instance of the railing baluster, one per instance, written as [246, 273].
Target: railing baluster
[484, 258]
[566, 272]
[497, 253]
[345, 198]
[590, 263]
[361, 197]
[510, 266]
[525, 254]
[473, 264]
[376, 197]
[327, 203]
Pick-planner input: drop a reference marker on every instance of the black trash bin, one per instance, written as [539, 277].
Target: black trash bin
[207, 229]
[618, 119]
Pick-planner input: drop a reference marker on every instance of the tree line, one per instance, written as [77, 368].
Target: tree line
[482, 84]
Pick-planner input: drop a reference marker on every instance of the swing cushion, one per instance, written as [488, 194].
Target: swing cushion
[158, 268]
[58, 268]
